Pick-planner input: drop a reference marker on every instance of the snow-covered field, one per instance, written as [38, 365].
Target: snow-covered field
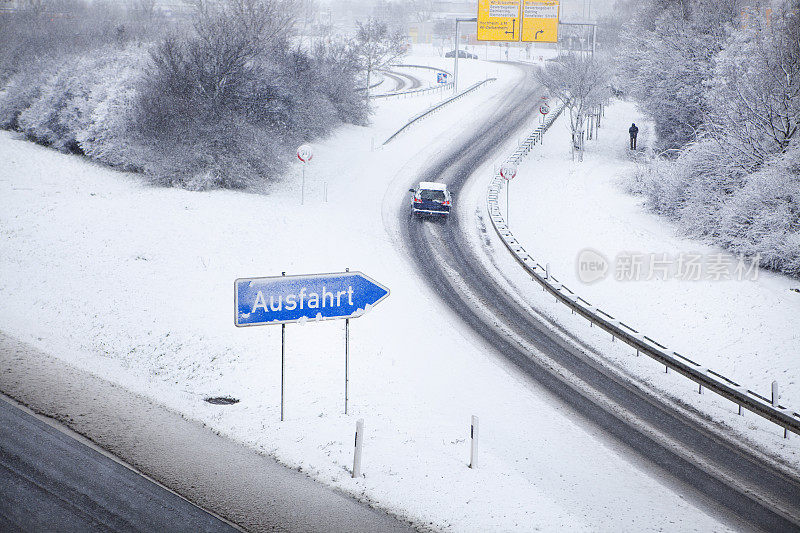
[134, 283]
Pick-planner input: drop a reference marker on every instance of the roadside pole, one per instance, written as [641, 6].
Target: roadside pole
[346, 355]
[359, 446]
[283, 358]
[473, 443]
[455, 59]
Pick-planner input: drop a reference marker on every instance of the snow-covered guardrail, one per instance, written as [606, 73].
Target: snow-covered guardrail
[744, 397]
[437, 107]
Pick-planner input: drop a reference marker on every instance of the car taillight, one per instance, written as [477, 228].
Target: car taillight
[446, 202]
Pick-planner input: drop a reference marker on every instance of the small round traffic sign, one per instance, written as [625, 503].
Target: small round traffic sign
[508, 171]
[544, 109]
[304, 153]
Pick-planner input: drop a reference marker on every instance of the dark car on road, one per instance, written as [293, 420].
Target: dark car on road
[461, 53]
[430, 199]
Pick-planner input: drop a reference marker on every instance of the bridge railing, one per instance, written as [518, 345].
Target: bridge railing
[417, 92]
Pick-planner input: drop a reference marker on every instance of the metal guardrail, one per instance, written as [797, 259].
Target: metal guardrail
[437, 107]
[744, 397]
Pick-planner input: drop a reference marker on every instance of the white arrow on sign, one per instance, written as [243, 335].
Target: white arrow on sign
[508, 171]
[304, 153]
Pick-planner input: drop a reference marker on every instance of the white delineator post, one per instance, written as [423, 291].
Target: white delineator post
[473, 447]
[358, 447]
[776, 396]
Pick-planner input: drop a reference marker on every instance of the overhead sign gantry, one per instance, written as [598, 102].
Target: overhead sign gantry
[499, 20]
[540, 21]
[518, 20]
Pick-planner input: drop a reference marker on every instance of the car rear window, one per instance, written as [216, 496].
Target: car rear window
[430, 194]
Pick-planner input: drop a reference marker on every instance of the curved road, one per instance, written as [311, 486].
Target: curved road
[401, 80]
[721, 473]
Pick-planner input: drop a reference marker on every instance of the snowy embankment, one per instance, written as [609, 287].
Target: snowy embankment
[134, 283]
[743, 328]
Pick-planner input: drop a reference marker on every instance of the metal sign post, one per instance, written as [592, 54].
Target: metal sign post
[283, 359]
[455, 60]
[288, 299]
[346, 355]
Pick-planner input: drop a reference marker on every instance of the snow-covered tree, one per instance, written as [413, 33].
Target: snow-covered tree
[753, 98]
[736, 182]
[664, 58]
[376, 46]
[581, 83]
[421, 10]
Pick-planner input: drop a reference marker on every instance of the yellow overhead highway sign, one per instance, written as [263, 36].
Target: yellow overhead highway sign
[498, 20]
[540, 21]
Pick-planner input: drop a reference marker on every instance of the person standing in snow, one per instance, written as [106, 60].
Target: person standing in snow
[633, 130]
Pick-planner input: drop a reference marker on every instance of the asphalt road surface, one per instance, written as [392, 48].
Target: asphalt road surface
[50, 481]
[722, 476]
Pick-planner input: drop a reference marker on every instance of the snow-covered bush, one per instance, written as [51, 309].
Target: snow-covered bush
[763, 217]
[226, 104]
[712, 196]
[55, 115]
[21, 90]
[106, 133]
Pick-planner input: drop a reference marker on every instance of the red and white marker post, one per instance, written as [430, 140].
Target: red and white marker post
[304, 154]
[508, 171]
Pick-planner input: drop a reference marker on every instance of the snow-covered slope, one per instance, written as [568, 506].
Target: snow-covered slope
[135, 284]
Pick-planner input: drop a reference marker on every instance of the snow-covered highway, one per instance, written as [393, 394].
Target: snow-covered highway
[715, 469]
